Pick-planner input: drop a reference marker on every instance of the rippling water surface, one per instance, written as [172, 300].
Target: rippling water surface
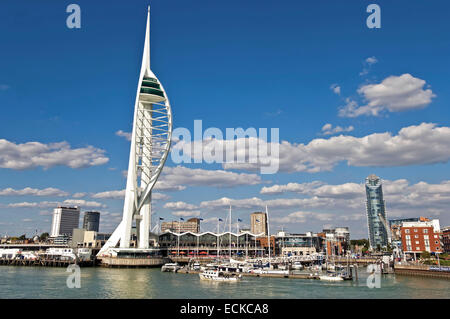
[40, 282]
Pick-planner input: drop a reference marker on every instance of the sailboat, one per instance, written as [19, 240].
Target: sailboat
[269, 269]
[331, 275]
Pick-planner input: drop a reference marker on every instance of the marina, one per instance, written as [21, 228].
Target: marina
[344, 222]
[99, 282]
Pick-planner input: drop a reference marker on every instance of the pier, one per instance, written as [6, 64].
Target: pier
[345, 260]
[422, 271]
[289, 276]
[117, 262]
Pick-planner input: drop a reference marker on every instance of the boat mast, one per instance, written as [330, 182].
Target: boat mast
[230, 234]
[178, 241]
[218, 247]
[268, 231]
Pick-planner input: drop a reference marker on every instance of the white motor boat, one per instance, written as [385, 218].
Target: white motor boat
[331, 278]
[170, 267]
[297, 265]
[269, 271]
[216, 275]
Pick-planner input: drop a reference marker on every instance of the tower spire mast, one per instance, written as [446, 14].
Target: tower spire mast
[145, 66]
[150, 144]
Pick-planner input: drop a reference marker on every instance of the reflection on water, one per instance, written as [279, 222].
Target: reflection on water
[28, 282]
[116, 283]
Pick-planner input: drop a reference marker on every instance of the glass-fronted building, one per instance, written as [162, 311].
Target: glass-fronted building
[376, 213]
[209, 244]
[91, 221]
[298, 244]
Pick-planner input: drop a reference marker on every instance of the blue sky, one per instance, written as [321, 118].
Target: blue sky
[292, 65]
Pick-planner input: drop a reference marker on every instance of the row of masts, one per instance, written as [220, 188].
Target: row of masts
[218, 231]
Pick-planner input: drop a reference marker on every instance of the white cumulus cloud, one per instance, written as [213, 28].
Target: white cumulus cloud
[181, 175]
[126, 135]
[328, 129]
[421, 144]
[393, 94]
[34, 154]
[28, 191]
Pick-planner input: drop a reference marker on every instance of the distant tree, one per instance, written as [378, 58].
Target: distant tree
[360, 242]
[389, 248]
[425, 255]
[43, 236]
[23, 237]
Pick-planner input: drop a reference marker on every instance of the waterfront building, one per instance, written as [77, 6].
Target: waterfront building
[65, 219]
[150, 144]
[89, 238]
[191, 225]
[337, 240]
[263, 243]
[61, 240]
[424, 235]
[258, 223]
[297, 244]
[376, 213]
[205, 244]
[446, 239]
[91, 221]
[395, 226]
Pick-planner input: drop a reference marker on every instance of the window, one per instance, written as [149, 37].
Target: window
[416, 236]
[406, 231]
[415, 230]
[417, 248]
[425, 231]
[417, 242]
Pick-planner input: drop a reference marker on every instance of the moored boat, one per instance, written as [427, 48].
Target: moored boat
[331, 278]
[216, 275]
[170, 267]
[297, 265]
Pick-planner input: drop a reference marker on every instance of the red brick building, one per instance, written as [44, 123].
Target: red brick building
[421, 236]
[263, 243]
[446, 239]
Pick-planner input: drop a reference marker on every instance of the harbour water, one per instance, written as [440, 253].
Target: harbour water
[42, 282]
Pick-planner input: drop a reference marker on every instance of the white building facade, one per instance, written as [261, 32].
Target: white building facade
[65, 219]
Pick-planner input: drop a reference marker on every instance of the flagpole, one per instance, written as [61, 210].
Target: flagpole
[246, 246]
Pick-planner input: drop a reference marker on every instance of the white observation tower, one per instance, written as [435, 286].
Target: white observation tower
[150, 144]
